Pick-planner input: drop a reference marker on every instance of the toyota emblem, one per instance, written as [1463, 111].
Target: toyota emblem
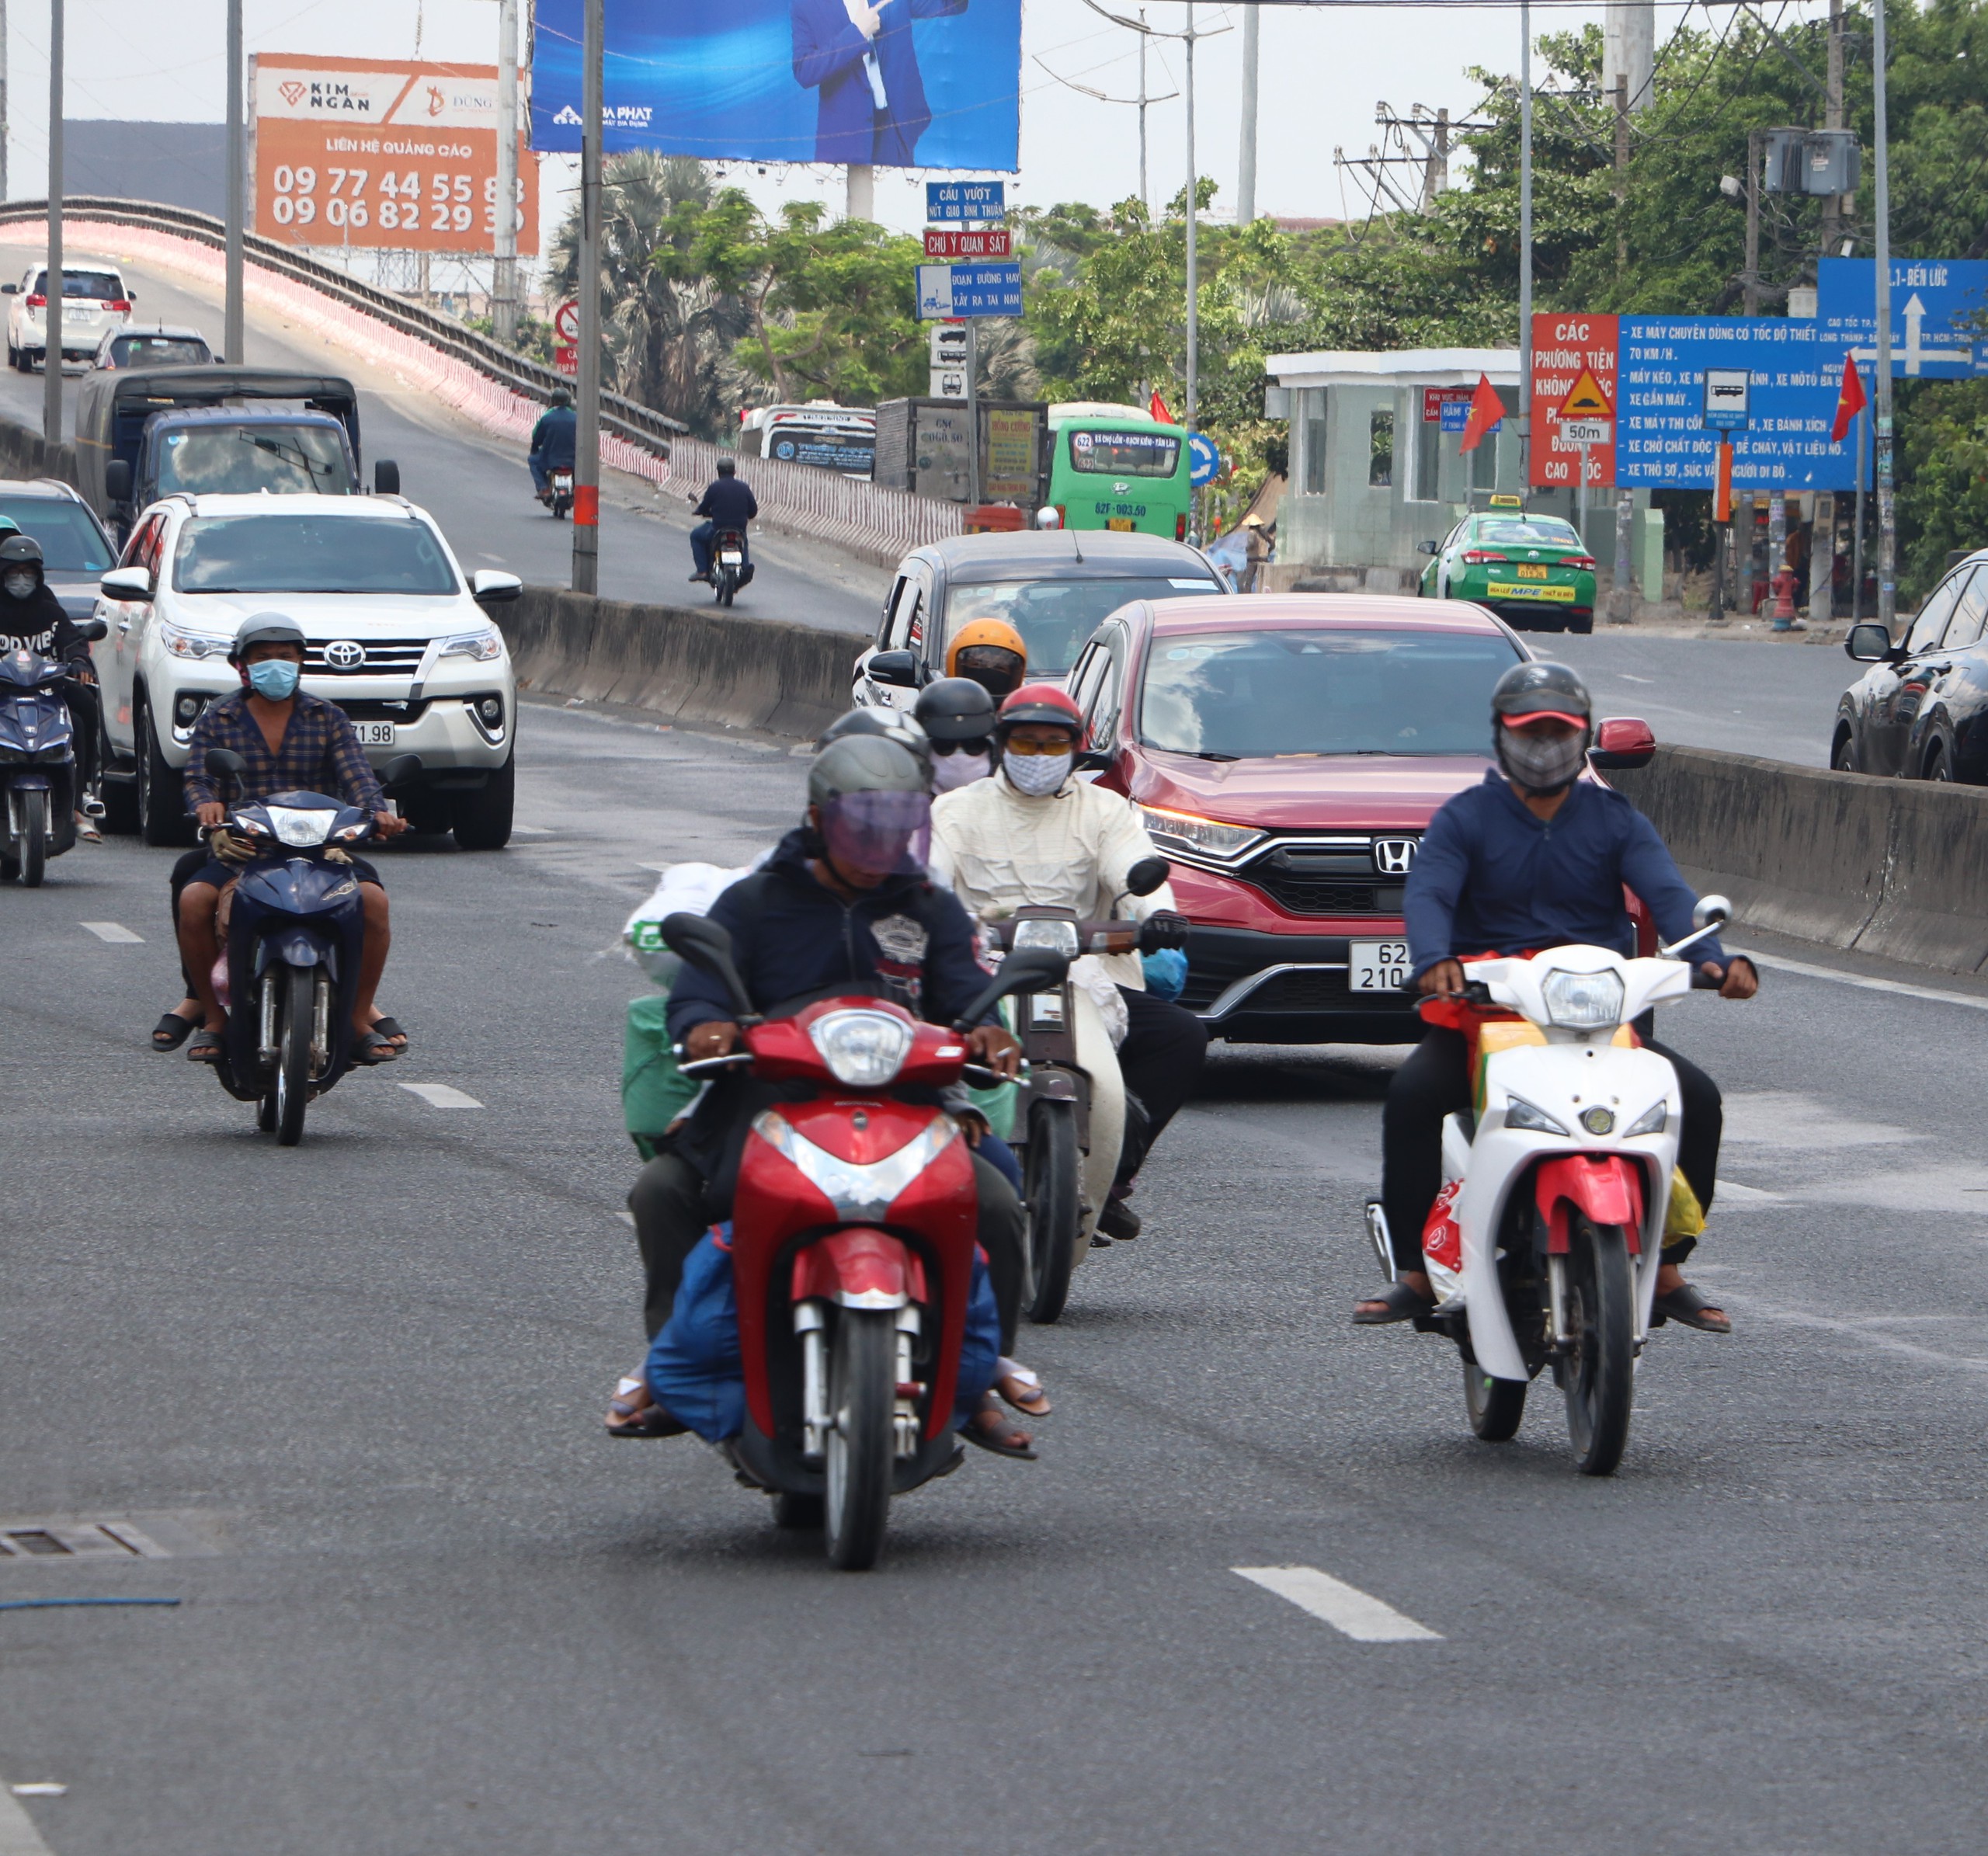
[1394, 856]
[344, 654]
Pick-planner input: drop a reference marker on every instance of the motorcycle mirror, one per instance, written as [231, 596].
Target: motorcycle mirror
[222, 761]
[1712, 912]
[705, 944]
[94, 631]
[399, 770]
[1026, 970]
[1146, 876]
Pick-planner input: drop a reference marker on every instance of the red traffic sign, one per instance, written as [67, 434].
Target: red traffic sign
[947, 244]
[566, 322]
[566, 359]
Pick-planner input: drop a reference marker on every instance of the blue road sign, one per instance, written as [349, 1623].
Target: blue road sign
[1455, 416]
[968, 290]
[953, 202]
[1939, 313]
[1204, 459]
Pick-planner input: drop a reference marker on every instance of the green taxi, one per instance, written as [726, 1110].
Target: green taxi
[1534, 571]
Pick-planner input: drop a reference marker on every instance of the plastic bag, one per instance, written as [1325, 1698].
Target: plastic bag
[686, 888]
[653, 1090]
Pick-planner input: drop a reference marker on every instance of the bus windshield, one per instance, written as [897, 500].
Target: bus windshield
[1125, 453]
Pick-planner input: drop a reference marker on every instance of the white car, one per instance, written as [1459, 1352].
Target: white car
[398, 635]
[94, 302]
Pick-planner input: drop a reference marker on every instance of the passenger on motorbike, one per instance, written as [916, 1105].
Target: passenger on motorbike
[1535, 857]
[554, 441]
[728, 503]
[844, 904]
[1034, 835]
[957, 716]
[32, 618]
[293, 742]
[992, 653]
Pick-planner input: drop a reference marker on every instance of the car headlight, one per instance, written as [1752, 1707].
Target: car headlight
[864, 1049]
[1653, 1120]
[191, 643]
[482, 645]
[1519, 1113]
[1584, 1002]
[1059, 937]
[1209, 836]
[301, 828]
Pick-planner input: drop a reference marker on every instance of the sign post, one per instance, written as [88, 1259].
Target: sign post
[956, 293]
[1728, 394]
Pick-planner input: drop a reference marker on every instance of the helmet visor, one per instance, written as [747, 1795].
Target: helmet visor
[878, 834]
[993, 666]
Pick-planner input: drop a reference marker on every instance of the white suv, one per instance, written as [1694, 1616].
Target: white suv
[94, 302]
[398, 638]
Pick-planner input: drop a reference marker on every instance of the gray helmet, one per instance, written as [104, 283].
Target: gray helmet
[1531, 690]
[21, 551]
[892, 725]
[955, 708]
[864, 763]
[265, 628]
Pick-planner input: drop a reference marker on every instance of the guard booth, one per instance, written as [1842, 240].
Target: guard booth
[922, 447]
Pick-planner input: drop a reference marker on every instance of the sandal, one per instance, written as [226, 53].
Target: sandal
[1023, 1389]
[1401, 1304]
[632, 1412]
[990, 1431]
[390, 1030]
[205, 1046]
[171, 1031]
[373, 1049]
[1685, 1303]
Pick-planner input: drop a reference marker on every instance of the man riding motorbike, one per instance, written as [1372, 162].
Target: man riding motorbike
[1034, 836]
[728, 503]
[32, 618]
[555, 440]
[293, 742]
[842, 905]
[1534, 857]
[991, 652]
[957, 716]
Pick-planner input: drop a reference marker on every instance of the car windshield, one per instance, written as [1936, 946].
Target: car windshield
[100, 286]
[1056, 617]
[1241, 695]
[1507, 532]
[159, 351]
[1125, 453]
[243, 460]
[71, 542]
[309, 554]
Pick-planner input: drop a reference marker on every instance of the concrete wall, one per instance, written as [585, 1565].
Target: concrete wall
[26, 453]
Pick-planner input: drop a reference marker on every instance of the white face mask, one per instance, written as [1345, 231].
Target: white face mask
[949, 771]
[1037, 775]
[19, 585]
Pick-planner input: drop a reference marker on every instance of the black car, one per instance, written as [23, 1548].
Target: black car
[1921, 710]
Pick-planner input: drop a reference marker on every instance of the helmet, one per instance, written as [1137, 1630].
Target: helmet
[956, 709]
[891, 724]
[991, 652]
[875, 805]
[258, 628]
[1041, 703]
[21, 551]
[560, 397]
[726, 466]
[1527, 692]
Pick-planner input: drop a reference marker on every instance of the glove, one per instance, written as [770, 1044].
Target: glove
[1165, 929]
[1166, 973]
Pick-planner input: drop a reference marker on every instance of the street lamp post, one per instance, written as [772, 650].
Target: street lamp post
[586, 458]
[504, 290]
[51, 288]
[232, 337]
[1525, 247]
[1194, 312]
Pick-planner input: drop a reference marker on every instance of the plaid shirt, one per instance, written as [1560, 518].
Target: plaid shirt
[319, 754]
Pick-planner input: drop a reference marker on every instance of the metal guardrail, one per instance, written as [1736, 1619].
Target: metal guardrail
[627, 418]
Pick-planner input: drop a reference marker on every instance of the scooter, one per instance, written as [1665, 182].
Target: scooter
[729, 572]
[291, 964]
[559, 491]
[37, 761]
[1052, 1114]
[852, 1243]
[1543, 1245]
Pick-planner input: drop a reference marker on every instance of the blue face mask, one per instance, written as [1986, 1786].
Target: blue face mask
[274, 678]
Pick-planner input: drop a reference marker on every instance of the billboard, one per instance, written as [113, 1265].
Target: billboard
[897, 83]
[390, 155]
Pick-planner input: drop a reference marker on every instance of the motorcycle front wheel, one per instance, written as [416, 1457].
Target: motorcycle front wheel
[1496, 1405]
[862, 1445]
[1052, 1189]
[293, 1085]
[1598, 1376]
[34, 839]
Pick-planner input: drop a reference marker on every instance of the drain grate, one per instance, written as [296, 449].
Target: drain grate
[78, 1539]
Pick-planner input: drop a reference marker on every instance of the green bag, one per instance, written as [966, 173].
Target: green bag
[654, 1091]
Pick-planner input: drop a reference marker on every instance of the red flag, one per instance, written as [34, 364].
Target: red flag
[1486, 411]
[1158, 409]
[1849, 400]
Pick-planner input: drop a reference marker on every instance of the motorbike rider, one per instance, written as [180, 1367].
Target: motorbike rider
[728, 503]
[992, 653]
[844, 904]
[1534, 857]
[293, 742]
[32, 619]
[1034, 834]
[554, 441]
[957, 716]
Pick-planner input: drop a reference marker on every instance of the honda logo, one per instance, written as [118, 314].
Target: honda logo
[344, 654]
[1394, 856]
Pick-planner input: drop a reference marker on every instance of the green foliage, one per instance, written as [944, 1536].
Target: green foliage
[1943, 476]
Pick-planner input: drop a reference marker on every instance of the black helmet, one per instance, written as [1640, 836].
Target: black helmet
[864, 763]
[891, 724]
[20, 550]
[726, 466]
[265, 628]
[1527, 691]
[955, 709]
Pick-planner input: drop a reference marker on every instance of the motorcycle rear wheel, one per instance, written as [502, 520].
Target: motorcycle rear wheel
[1496, 1405]
[862, 1446]
[34, 839]
[1598, 1376]
[298, 987]
[1052, 1189]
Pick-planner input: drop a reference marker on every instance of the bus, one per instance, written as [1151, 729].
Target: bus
[1113, 467]
[821, 433]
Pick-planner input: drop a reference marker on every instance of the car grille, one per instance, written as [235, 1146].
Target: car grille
[378, 709]
[381, 657]
[1304, 894]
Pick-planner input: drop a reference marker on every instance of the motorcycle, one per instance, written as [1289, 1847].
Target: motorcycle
[1052, 1114]
[559, 492]
[728, 569]
[1543, 1245]
[37, 760]
[853, 1240]
[291, 961]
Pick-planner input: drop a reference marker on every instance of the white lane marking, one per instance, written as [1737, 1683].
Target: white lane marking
[1345, 1607]
[1788, 1121]
[39, 1788]
[1628, 679]
[1869, 984]
[17, 1835]
[1731, 1189]
[115, 933]
[1858, 1331]
[440, 1095]
[626, 1218]
[531, 830]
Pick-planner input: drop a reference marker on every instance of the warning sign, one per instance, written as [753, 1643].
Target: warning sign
[1574, 391]
[1587, 400]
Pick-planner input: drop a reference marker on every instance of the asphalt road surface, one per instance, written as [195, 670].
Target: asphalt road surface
[353, 1391]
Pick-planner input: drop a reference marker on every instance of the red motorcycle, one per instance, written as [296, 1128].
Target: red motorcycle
[853, 1234]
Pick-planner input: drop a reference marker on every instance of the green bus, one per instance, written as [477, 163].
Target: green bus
[1113, 468]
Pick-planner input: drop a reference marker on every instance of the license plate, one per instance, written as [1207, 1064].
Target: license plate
[1377, 966]
[1529, 589]
[1527, 571]
[1122, 523]
[731, 560]
[375, 733]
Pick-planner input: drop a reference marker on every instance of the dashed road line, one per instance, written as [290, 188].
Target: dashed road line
[441, 1094]
[1347, 1609]
[115, 932]
[1868, 981]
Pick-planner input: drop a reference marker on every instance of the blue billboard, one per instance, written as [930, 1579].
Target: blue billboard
[886, 83]
[1939, 313]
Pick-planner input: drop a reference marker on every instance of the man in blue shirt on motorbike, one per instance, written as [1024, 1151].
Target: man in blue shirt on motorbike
[555, 440]
[728, 503]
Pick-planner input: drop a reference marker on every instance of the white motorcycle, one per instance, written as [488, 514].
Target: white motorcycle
[1544, 1243]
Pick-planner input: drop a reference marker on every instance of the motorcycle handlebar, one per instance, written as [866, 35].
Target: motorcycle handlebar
[710, 1066]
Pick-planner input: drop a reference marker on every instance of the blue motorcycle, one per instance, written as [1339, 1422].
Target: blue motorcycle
[37, 761]
[294, 932]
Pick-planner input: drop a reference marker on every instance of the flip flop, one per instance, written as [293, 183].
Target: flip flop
[1687, 1305]
[205, 1046]
[373, 1050]
[1023, 1389]
[1403, 1304]
[1003, 1438]
[392, 1028]
[627, 1418]
[171, 1031]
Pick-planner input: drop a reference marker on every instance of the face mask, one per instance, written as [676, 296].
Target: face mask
[952, 770]
[1540, 766]
[274, 678]
[19, 585]
[1037, 775]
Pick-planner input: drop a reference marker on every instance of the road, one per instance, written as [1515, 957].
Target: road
[427, 1608]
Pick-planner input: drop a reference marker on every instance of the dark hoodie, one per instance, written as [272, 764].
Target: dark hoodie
[39, 622]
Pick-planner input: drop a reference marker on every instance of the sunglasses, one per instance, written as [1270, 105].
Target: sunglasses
[980, 746]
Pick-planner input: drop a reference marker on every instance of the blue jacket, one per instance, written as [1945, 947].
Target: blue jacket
[1491, 878]
[729, 501]
[828, 56]
[553, 439]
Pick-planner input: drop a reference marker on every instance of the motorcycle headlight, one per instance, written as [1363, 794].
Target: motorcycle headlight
[1519, 1113]
[1653, 1120]
[1059, 937]
[863, 1049]
[483, 645]
[301, 828]
[1209, 836]
[1584, 1002]
[191, 644]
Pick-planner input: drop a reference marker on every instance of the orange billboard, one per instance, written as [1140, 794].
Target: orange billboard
[382, 154]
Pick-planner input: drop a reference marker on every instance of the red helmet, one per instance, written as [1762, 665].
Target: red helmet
[1039, 703]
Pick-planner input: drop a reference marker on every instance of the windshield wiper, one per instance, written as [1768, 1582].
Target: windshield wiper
[1214, 756]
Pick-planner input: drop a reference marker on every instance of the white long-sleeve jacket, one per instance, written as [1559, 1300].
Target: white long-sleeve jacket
[999, 850]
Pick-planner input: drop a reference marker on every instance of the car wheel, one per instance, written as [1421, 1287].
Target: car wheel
[1583, 626]
[1844, 757]
[1938, 766]
[483, 820]
[162, 814]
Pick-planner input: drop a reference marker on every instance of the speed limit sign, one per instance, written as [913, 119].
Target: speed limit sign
[566, 320]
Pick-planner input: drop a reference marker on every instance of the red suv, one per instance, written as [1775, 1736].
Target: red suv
[1288, 752]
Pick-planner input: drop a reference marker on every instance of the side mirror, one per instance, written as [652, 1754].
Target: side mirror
[1869, 643]
[1146, 876]
[899, 668]
[127, 585]
[1026, 970]
[399, 770]
[1428, 547]
[1623, 741]
[386, 477]
[9, 289]
[1712, 912]
[93, 631]
[222, 763]
[1094, 760]
[117, 480]
[491, 586]
[705, 944]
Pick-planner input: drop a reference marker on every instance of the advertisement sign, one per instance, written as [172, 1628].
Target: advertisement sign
[1939, 313]
[381, 155]
[1009, 475]
[941, 244]
[968, 290]
[1573, 378]
[937, 86]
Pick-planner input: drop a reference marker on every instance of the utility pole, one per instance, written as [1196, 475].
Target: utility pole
[1750, 281]
[1193, 188]
[4, 192]
[1436, 166]
[1628, 49]
[1145, 199]
[972, 413]
[586, 457]
[1887, 523]
[51, 350]
[1621, 177]
[1833, 119]
[1245, 167]
[504, 281]
[232, 338]
[1525, 247]
[860, 200]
